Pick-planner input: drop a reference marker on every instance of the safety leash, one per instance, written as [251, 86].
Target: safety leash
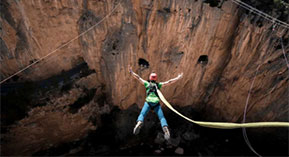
[224, 125]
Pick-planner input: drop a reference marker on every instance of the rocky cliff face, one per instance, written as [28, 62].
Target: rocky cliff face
[217, 48]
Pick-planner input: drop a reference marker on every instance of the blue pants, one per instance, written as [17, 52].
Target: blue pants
[158, 111]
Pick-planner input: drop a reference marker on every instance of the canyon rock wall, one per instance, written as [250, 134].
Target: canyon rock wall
[217, 48]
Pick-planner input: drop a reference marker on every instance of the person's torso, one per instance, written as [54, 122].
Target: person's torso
[151, 92]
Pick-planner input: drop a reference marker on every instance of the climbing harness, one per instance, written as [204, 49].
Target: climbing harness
[153, 86]
[224, 125]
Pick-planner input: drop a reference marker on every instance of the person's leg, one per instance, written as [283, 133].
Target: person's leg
[159, 112]
[140, 118]
[145, 109]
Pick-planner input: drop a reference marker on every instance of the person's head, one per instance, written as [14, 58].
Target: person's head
[153, 77]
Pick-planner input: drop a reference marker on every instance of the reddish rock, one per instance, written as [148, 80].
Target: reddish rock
[217, 49]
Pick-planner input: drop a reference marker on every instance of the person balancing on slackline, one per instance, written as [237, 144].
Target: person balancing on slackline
[152, 100]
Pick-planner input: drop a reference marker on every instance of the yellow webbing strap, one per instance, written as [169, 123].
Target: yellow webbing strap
[224, 125]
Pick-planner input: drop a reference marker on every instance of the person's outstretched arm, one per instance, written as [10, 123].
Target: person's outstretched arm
[172, 80]
[136, 75]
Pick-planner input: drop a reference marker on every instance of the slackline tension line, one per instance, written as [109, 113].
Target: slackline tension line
[60, 47]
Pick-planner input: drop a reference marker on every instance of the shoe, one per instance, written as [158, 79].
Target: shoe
[167, 132]
[137, 127]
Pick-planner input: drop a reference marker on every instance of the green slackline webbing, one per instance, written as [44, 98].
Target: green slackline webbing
[224, 125]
